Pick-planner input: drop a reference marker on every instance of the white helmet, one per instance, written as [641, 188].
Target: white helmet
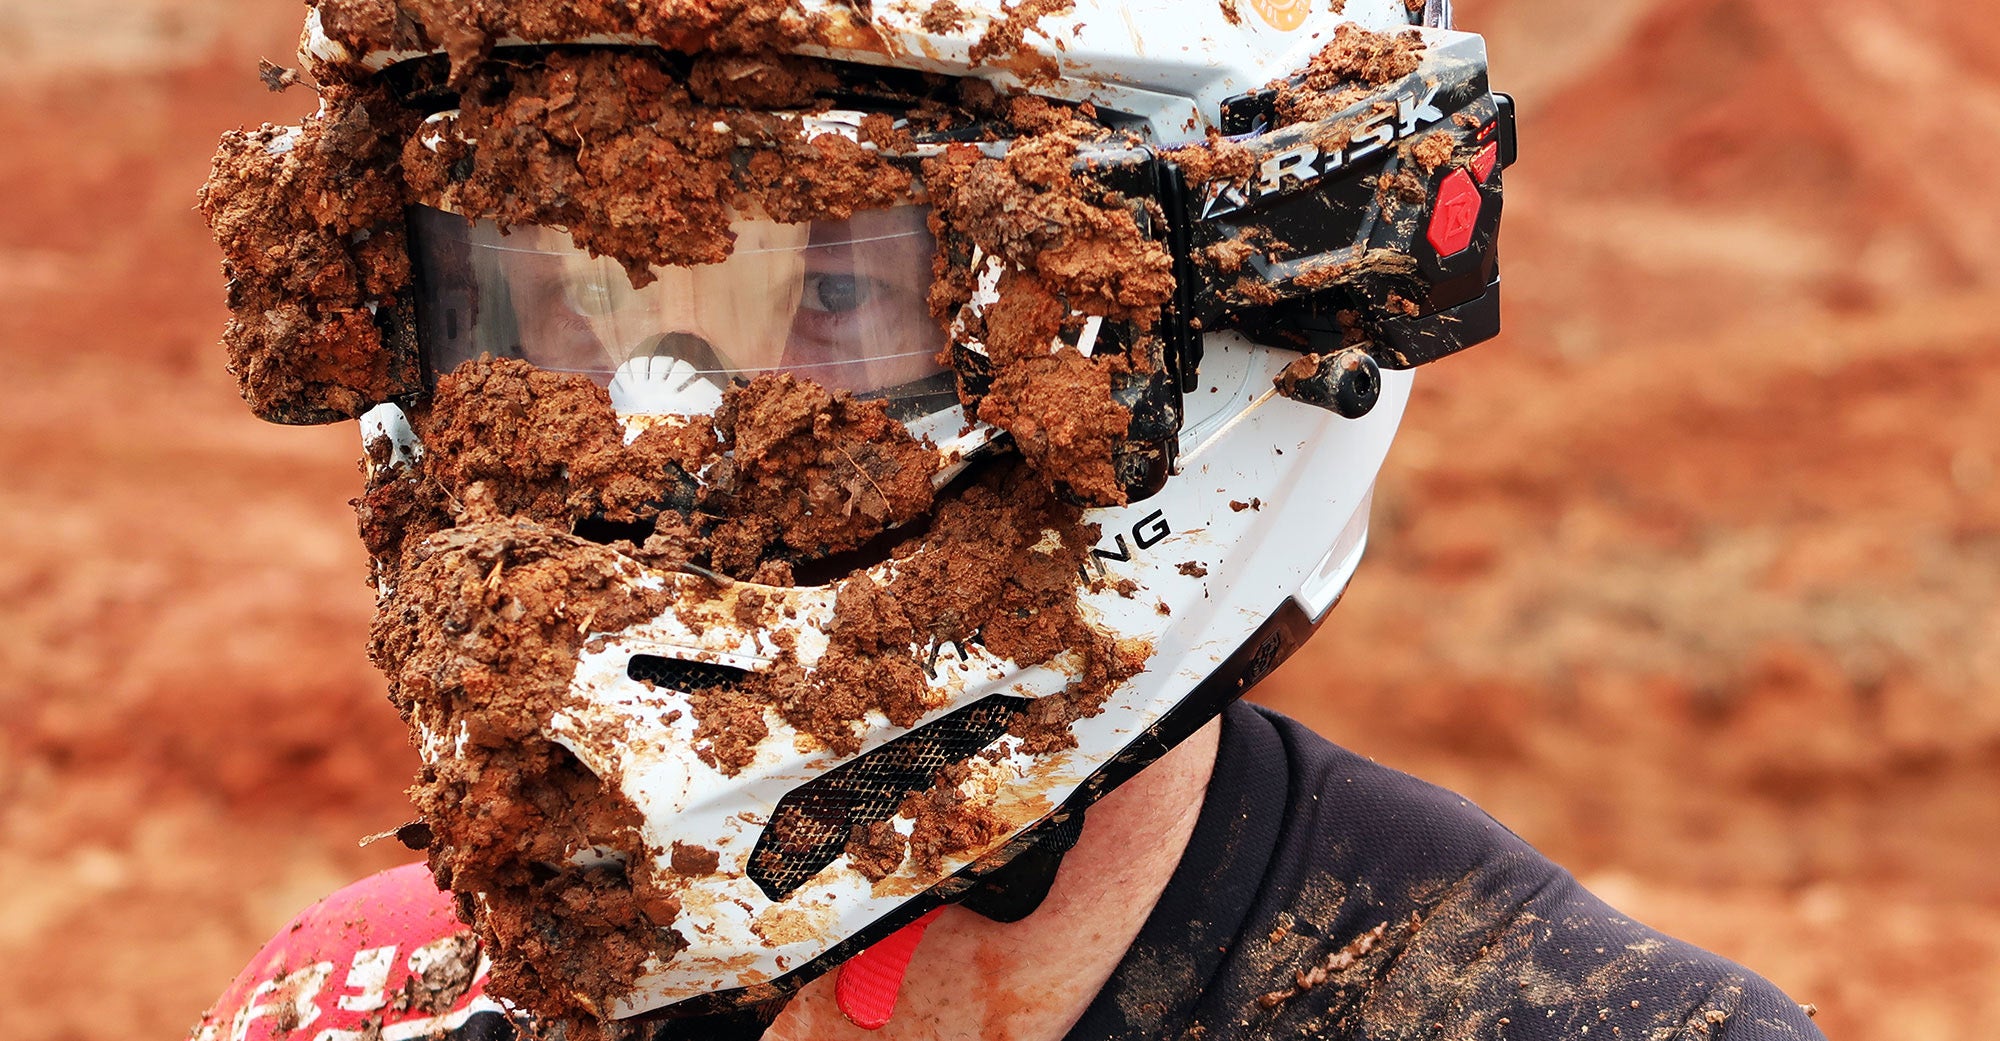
[681, 756]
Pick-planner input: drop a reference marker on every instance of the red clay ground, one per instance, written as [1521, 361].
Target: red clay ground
[1690, 578]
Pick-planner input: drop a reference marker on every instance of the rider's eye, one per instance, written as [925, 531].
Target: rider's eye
[593, 297]
[834, 293]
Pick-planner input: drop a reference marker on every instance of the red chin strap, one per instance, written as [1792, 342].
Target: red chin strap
[865, 987]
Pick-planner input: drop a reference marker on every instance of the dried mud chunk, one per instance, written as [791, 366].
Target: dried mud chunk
[1216, 159]
[581, 141]
[729, 725]
[519, 429]
[1067, 254]
[1004, 42]
[1228, 256]
[1345, 71]
[941, 17]
[309, 222]
[1060, 411]
[1029, 209]
[694, 861]
[769, 81]
[1402, 185]
[397, 507]
[615, 147]
[467, 31]
[447, 973]
[998, 567]
[815, 472]
[479, 638]
[1364, 56]
[1433, 151]
[825, 178]
[948, 823]
[876, 850]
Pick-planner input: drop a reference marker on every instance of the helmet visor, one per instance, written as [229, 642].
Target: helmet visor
[841, 303]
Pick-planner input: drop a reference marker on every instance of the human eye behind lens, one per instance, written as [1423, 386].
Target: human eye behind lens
[597, 293]
[837, 292]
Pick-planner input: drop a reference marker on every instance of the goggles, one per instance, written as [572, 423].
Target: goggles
[1361, 236]
[841, 303]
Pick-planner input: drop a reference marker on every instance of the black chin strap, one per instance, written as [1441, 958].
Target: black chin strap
[1016, 890]
[743, 1024]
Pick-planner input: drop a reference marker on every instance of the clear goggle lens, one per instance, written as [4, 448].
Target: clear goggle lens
[841, 303]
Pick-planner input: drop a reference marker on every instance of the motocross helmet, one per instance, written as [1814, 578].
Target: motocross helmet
[1087, 325]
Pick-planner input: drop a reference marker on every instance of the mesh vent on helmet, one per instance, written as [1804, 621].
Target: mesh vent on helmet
[680, 674]
[809, 829]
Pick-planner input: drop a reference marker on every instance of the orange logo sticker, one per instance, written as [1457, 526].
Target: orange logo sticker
[1283, 14]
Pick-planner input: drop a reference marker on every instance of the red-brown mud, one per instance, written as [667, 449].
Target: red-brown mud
[1344, 71]
[489, 599]
[947, 822]
[876, 850]
[468, 31]
[1065, 253]
[479, 638]
[310, 225]
[640, 163]
[1001, 44]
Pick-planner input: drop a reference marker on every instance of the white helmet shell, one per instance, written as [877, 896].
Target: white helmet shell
[1221, 573]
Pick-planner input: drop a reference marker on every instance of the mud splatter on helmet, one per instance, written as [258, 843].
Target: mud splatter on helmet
[817, 449]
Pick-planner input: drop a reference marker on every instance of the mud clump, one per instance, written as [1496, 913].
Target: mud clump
[942, 16]
[310, 221]
[1030, 209]
[792, 471]
[545, 445]
[478, 637]
[637, 161]
[1004, 37]
[1345, 71]
[468, 31]
[998, 568]
[813, 472]
[1064, 254]
[876, 850]
[948, 822]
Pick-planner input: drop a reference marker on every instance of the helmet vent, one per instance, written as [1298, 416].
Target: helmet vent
[683, 675]
[810, 827]
[605, 532]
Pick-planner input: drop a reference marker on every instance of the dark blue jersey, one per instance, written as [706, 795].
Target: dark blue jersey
[1326, 896]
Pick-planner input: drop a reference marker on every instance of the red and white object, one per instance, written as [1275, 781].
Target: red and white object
[385, 958]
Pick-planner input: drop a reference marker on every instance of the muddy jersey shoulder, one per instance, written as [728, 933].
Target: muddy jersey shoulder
[1325, 896]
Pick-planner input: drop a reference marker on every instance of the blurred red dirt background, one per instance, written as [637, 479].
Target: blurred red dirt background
[1690, 578]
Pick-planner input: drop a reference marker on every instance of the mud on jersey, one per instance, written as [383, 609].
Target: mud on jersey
[1325, 896]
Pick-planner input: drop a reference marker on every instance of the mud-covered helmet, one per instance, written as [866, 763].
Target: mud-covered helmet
[817, 449]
